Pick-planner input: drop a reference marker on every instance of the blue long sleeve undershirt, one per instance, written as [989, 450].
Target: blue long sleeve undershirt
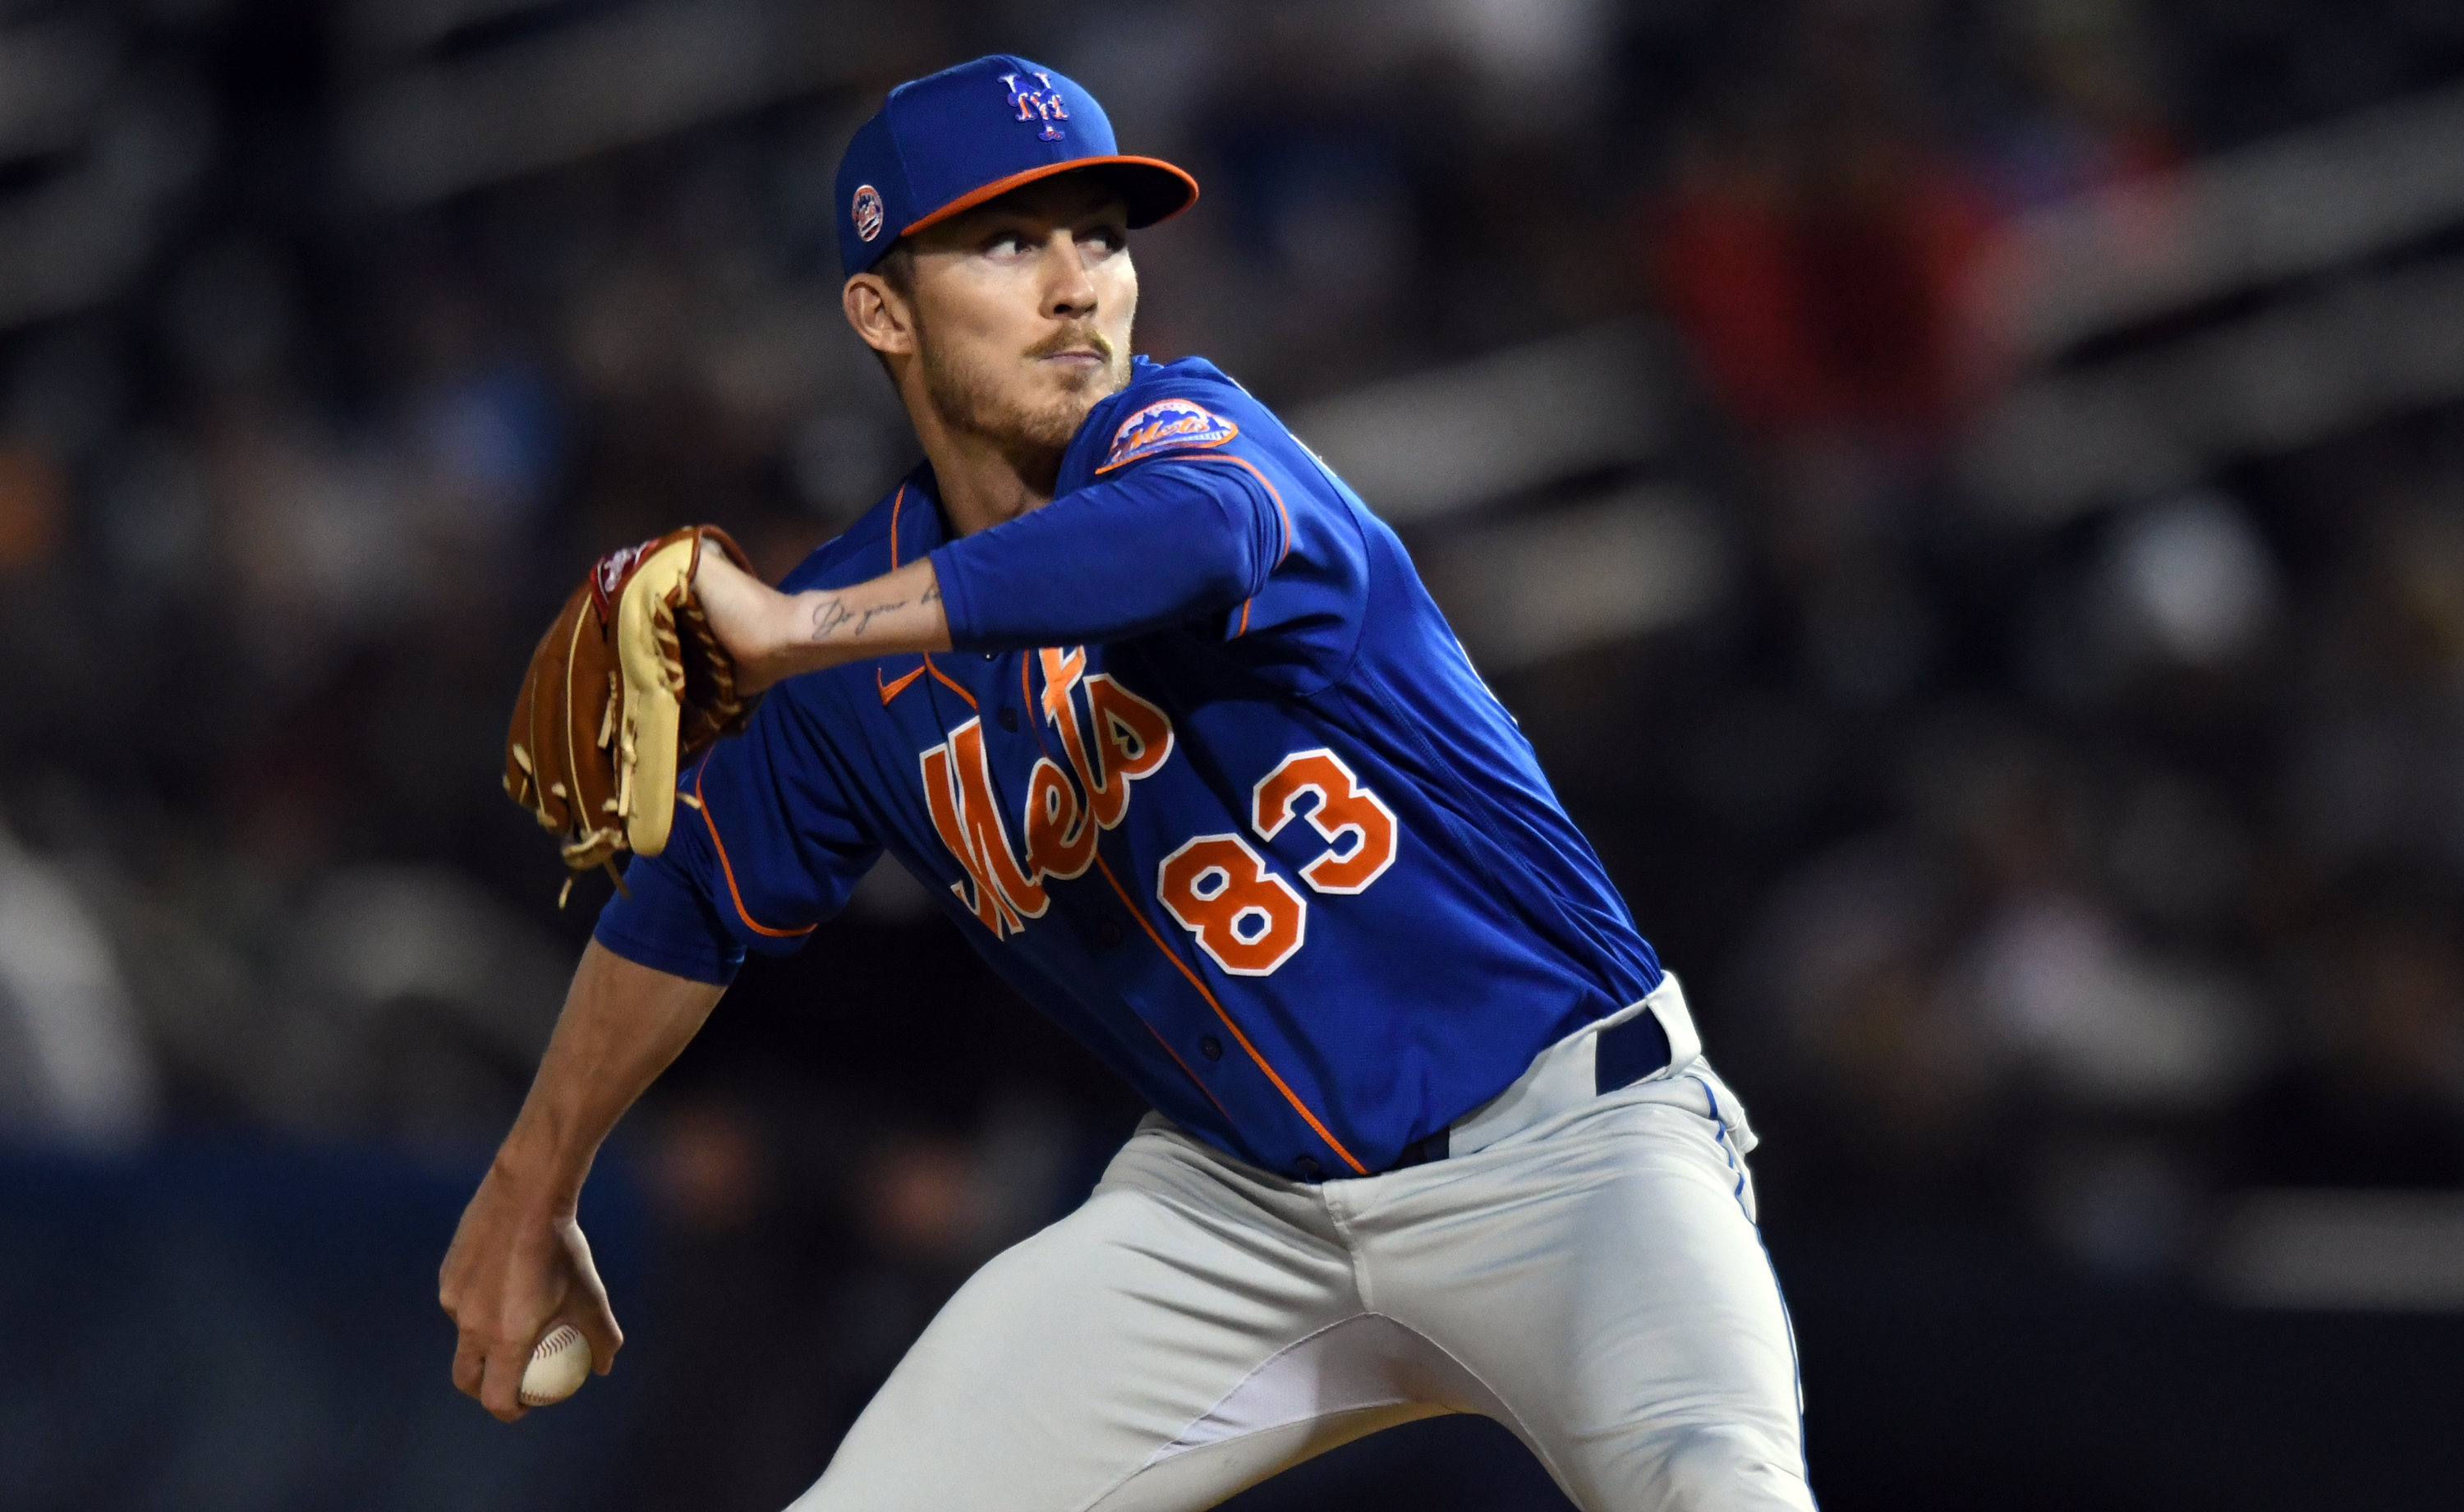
[1172, 540]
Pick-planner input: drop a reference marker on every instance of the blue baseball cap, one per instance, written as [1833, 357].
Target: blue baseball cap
[951, 141]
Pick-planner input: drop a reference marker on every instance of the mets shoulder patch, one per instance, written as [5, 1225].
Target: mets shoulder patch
[1167, 424]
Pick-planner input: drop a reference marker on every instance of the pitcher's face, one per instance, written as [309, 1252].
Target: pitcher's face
[1023, 307]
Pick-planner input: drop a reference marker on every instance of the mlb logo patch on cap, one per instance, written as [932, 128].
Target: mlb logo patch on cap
[952, 141]
[866, 213]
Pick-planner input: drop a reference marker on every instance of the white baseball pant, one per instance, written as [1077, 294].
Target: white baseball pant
[1593, 1281]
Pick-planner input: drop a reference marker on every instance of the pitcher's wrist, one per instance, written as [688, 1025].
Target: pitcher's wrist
[535, 1176]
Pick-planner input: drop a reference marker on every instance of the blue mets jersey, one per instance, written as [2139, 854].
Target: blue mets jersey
[1208, 779]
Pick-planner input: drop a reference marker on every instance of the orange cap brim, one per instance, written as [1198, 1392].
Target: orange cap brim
[1155, 190]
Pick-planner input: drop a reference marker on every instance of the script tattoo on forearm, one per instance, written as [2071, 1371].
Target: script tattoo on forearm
[831, 616]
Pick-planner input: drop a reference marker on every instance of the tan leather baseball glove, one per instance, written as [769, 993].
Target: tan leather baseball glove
[627, 685]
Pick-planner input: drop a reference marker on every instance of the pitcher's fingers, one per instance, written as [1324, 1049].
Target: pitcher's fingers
[470, 1364]
[502, 1391]
[590, 1312]
[599, 1331]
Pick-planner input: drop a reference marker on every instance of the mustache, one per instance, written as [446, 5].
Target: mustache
[1060, 341]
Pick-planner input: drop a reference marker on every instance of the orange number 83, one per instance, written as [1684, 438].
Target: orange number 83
[1248, 919]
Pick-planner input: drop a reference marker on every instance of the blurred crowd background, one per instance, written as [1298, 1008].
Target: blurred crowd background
[1967, 499]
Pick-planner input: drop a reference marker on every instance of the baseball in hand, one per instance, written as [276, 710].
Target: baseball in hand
[557, 1367]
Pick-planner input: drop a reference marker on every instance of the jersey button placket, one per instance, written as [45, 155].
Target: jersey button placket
[1211, 1048]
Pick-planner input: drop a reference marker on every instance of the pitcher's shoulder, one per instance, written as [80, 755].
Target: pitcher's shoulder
[1189, 406]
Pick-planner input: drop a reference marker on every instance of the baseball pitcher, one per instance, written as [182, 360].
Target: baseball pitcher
[1162, 716]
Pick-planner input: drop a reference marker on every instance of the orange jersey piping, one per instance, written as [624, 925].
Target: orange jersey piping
[1271, 492]
[943, 679]
[729, 871]
[1027, 694]
[1289, 1096]
[1279, 509]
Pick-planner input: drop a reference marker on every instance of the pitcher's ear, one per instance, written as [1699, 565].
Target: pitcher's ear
[881, 314]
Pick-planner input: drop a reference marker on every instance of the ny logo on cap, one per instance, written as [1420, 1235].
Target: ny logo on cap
[1038, 104]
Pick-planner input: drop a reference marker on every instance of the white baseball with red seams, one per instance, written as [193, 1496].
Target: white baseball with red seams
[559, 1363]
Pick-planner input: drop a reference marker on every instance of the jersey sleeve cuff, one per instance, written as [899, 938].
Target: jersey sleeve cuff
[958, 602]
[698, 963]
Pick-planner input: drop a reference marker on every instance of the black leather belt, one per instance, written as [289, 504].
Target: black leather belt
[1626, 1053]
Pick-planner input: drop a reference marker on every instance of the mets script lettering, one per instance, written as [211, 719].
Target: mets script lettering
[1165, 425]
[1109, 736]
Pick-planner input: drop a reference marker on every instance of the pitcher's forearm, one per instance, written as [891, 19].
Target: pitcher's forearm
[899, 612]
[622, 1025]
[773, 635]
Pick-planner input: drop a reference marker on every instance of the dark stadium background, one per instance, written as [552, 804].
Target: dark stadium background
[1967, 498]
